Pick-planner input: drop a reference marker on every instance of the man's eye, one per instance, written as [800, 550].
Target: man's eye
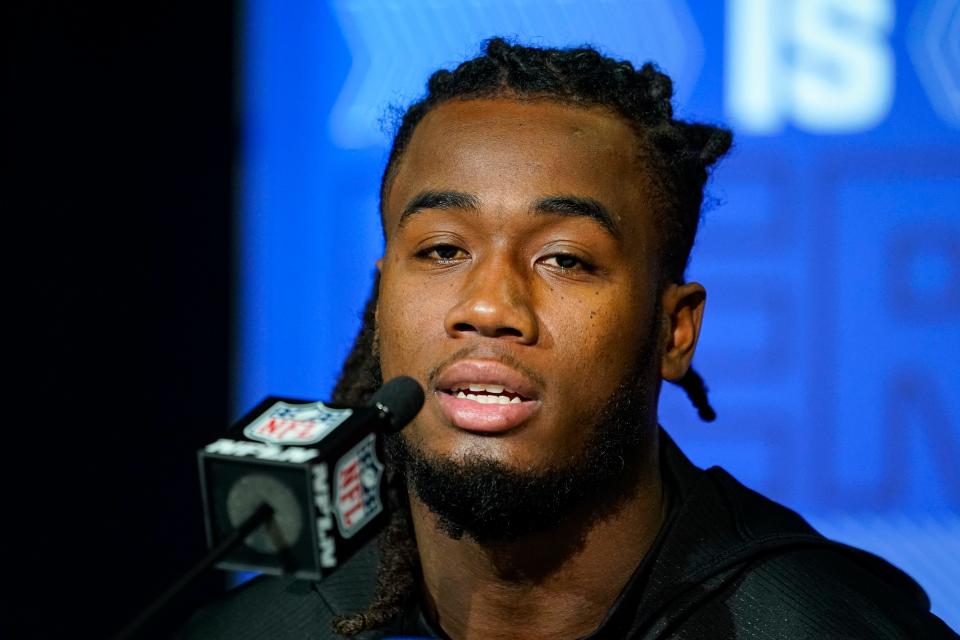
[442, 253]
[566, 262]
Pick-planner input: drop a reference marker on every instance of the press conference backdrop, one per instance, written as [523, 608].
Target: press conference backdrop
[831, 252]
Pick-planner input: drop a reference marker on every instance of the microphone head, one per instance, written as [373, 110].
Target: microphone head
[402, 397]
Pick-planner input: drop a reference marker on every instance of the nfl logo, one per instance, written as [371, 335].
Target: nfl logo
[297, 424]
[357, 483]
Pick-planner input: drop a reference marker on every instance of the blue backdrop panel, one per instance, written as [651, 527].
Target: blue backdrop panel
[831, 249]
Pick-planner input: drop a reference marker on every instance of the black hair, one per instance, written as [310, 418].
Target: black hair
[680, 156]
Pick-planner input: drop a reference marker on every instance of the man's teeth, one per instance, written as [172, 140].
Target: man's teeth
[486, 393]
[489, 388]
[488, 399]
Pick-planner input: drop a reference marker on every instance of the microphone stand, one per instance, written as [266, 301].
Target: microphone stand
[262, 514]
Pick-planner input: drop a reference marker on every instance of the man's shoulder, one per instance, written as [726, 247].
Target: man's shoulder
[282, 607]
[736, 564]
[820, 592]
[265, 607]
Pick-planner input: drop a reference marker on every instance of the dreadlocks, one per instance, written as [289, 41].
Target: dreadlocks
[680, 157]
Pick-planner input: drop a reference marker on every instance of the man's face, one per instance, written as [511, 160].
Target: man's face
[521, 261]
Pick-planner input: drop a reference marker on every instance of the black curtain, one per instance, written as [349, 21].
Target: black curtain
[120, 139]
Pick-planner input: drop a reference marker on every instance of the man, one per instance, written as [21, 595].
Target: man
[539, 207]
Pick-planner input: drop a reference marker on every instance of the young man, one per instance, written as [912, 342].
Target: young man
[539, 207]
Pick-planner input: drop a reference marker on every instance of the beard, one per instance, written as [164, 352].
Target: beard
[491, 502]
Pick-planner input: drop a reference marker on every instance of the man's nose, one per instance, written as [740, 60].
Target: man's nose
[495, 302]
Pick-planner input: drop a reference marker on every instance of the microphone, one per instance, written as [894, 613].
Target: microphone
[312, 471]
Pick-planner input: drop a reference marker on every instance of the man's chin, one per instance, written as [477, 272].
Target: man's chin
[477, 495]
[489, 501]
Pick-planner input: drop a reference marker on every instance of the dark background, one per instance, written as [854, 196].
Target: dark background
[119, 138]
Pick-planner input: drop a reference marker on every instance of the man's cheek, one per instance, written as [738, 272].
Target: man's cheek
[390, 340]
[393, 359]
[402, 342]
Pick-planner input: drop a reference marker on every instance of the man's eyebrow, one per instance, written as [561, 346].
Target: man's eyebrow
[439, 200]
[578, 206]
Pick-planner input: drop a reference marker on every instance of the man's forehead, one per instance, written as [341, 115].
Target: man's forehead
[516, 123]
[575, 119]
[502, 149]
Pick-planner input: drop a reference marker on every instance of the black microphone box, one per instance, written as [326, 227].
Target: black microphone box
[319, 468]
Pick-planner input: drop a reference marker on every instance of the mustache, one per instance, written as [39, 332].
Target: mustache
[486, 352]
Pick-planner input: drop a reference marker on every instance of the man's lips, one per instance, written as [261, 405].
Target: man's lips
[503, 399]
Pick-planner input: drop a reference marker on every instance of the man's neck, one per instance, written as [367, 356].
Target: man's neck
[556, 584]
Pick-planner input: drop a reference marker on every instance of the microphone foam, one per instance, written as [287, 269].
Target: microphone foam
[402, 397]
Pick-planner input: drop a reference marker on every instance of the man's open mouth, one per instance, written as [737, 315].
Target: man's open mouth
[486, 396]
[485, 393]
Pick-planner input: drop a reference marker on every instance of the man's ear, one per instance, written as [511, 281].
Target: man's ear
[682, 312]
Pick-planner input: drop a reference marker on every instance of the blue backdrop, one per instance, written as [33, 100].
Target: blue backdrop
[836, 393]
